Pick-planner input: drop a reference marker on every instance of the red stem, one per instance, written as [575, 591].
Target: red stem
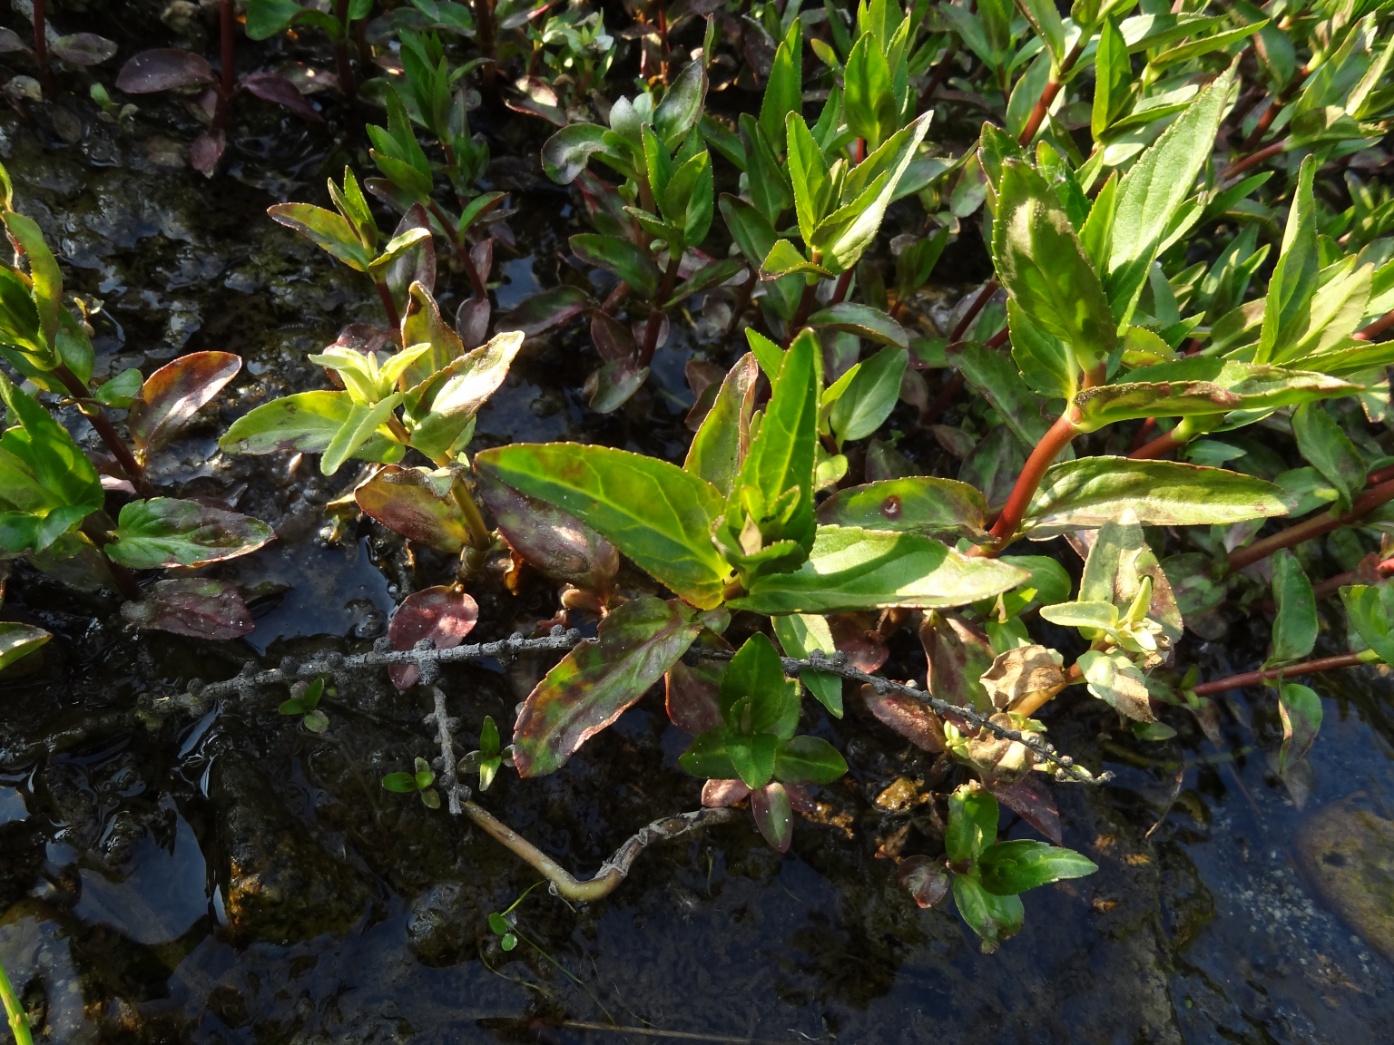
[390, 306]
[810, 295]
[105, 430]
[1313, 527]
[1253, 678]
[1052, 88]
[1376, 328]
[670, 277]
[1332, 585]
[1253, 159]
[1060, 435]
[227, 36]
[1157, 448]
[971, 313]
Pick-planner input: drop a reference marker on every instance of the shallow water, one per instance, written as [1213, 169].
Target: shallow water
[238, 879]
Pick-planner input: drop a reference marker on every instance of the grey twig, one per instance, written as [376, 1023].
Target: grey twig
[456, 793]
[836, 664]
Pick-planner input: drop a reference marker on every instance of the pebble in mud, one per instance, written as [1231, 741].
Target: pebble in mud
[1346, 852]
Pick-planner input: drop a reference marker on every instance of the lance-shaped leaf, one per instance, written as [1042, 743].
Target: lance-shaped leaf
[196, 607]
[422, 323]
[1041, 263]
[1294, 279]
[1257, 387]
[681, 107]
[1008, 868]
[1091, 491]
[45, 277]
[719, 447]
[163, 69]
[166, 531]
[864, 321]
[653, 511]
[597, 681]
[305, 423]
[1329, 450]
[870, 395]
[441, 614]
[994, 918]
[943, 508]
[359, 428]
[171, 396]
[842, 236]
[440, 411]
[19, 640]
[567, 152]
[418, 504]
[1300, 709]
[853, 569]
[994, 375]
[1295, 620]
[624, 260]
[542, 312]
[774, 814]
[559, 545]
[1154, 189]
[784, 89]
[808, 760]
[327, 230]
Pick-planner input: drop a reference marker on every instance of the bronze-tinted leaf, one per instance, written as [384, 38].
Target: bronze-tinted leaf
[557, 544]
[1030, 799]
[597, 681]
[958, 654]
[774, 815]
[719, 794]
[550, 308]
[927, 881]
[441, 614]
[908, 716]
[171, 396]
[417, 503]
[693, 690]
[196, 607]
[83, 48]
[276, 89]
[163, 69]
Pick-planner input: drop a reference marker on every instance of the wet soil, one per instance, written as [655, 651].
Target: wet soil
[236, 878]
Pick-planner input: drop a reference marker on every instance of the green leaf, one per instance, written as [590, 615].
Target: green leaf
[864, 321]
[267, 18]
[681, 107]
[808, 760]
[19, 640]
[784, 89]
[774, 813]
[973, 815]
[1113, 76]
[166, 531]
[1008, 868]
[808, 174]
[870, 396]
[597, 681]
[800, 634]
[852, 569]
[1152, 192]
[868, 98]
[1257, 387]
[1045, 19]
[1371, 611]
[653, 511]
[1300, 710]
[400, 783]
[46, 279]
[708, 756]
[621, 258]
[566, 153]
[327, 230]
[718, 448]
[1326, 448]
[785, 259]
[942, 508]
[1294, 279]
[1295, 621]
[305, 423]
[1045, 362]
[1041, 263]
[994, 375]
[755, 695]
[362, 423]
[440, 411]
[1091, 491]
[994, 918]
[753, 757]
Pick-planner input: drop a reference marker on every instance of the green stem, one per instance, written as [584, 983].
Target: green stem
[1308, 667]
[1313, 527]
[19, 1021]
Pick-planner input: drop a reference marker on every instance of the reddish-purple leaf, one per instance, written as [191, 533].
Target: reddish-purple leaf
[482, 257]
[546, 310]
[855, 635]
[416, 503]
[276, 89]
[171, 396]
[206, 151]
[958, 654]
[774, 815]
[197, 607]
[926, 880]
[693, 690]
[441, 614]
[83, 48]
[163, 69]
[702, 374]
[720, 794]
[612, 339]
[416, 264]
[365, 338]
[1030, 799]
[909, 717]
[472, 321]
[598, 680]
[557, 544]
